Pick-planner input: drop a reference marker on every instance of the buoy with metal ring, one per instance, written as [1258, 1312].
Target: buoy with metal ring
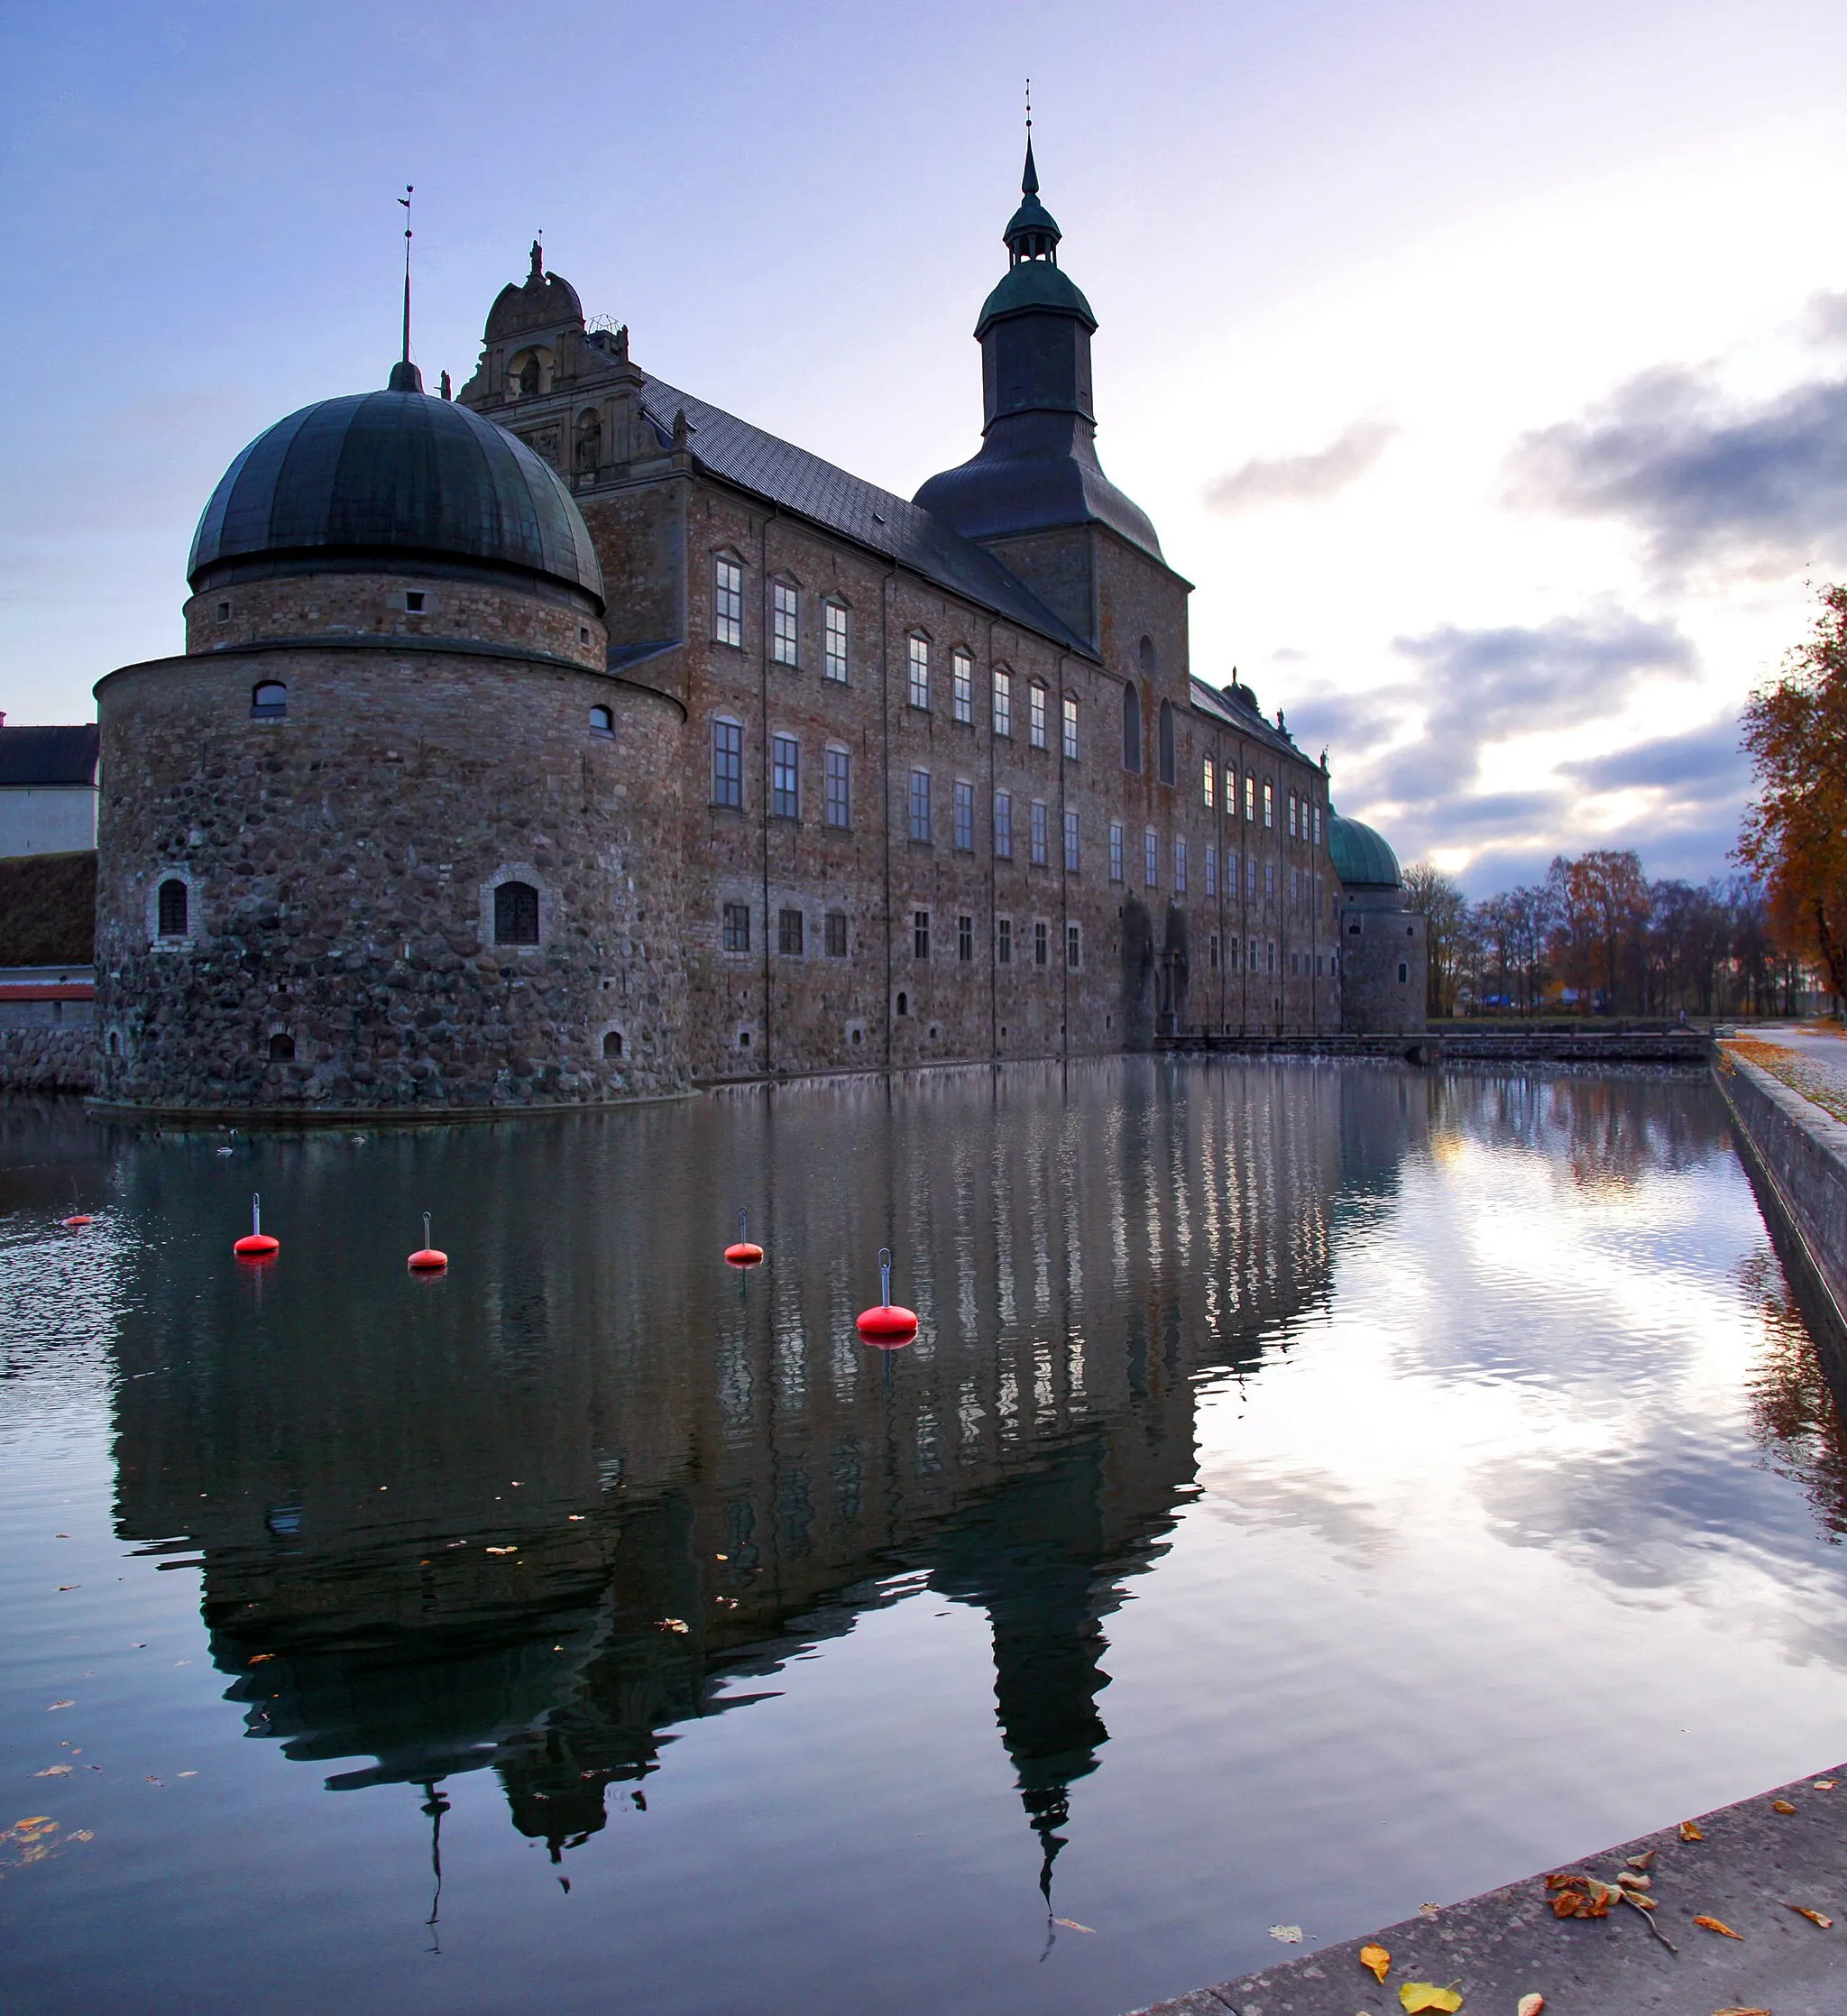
[743, 1252]
[428, 1258]
[256, 1244]
[890, 1326]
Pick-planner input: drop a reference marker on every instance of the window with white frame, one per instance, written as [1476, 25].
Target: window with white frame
[920, 671]
[1150, 858]
[833, 642]
[1073, 947]
[727, 602]
[1208, 784]
[1250, 796]
[1071, 728]
[921, 828]
[1070, 840]
[1116, 850]
[785, 777]
[727, 763]
[965, 816]
[1003, 941]
[1003, 702]
[1038, 833]
[1004, 824]
[1317, 826]
[1180, 866]
[961, 685]
[1036, 723]
[837, 787]
[785, 623]
[1211, 870]
[1291, 815]
[1269, 805]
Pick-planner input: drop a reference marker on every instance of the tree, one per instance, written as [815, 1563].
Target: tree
[1794, 837]
[1440, 901]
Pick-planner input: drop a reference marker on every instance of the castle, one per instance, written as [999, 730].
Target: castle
[573, 741]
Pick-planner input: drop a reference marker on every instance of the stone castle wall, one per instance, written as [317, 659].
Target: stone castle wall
[1384, 960]
[341, 862]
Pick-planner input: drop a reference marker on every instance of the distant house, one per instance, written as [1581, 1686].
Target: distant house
[48, 789]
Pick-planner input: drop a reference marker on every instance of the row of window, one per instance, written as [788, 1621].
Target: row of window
[1261, 958]
[791, 936]
[1304, 816]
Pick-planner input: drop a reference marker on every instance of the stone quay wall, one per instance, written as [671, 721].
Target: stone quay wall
[1801, 1152]
[341, 861]
[41, 1058]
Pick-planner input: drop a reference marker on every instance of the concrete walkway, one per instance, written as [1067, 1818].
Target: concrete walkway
[1753, 1864]
[1815, 1062]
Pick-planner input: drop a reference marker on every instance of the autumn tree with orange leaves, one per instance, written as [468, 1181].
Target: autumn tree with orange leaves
[1794, 837]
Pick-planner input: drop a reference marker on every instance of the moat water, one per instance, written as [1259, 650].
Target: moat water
[1315, 1490]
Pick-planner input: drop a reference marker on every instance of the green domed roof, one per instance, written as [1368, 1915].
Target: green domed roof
[1034, 284]
[393, 475]
[1361, 856]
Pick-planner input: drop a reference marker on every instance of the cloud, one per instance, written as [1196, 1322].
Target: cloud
[1825, 319]
[1747, 488]
[1301, 479]
[1709, 757]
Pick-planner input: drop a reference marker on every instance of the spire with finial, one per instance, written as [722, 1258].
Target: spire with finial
[1032, 234]
[405, 375]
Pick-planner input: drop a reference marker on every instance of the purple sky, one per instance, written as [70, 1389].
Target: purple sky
[1484, 367]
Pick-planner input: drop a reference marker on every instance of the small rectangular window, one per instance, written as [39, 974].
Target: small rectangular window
[736, 927]
[961, 685]
[1270, 804]
[1042, 943]
[920, 827]
[727, 763]
[920, 671]
[1038, 833]
[785, 777]
[965, 939]
[1256, 957]
[1231, 952]
[727, 602]
[1070, 840]
[1269, 955]
[785, 627]
[1291, 815]
[1003, 702]
[1250, 796]
[1317, 826]
[835, 934]
[1035, 715]
[1211, 871]
[1251, 874]
[920, 933]
[834, 655]
[1269, 881]
[413, 600]
[965, 817]
[837, 785]
[1212, 954]
[1071, 728]
[1116, 850]
[1073, 947]
[1004, 824]
[788, 933]
[1003, 941]
[1150, 858]
[1208, 784]
[1180, 866]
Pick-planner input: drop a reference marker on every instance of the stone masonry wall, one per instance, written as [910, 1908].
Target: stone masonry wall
[43, 1059]
[341, 863]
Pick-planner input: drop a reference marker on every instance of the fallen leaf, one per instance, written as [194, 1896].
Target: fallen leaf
[1689, 1832]
[1740, 2012]
[53, 1771]
[1072, 1924]
[1530, 2005]
[1425, 1994]
[1377, 1960]
[1641, 1900]
[83, 1834]
[1642, 1862]
[1824, 1784]
[503, 1550]
[1569, 1903]
[257, 1658]
[1429, 1911]
[57, 1705]
[1716, 1925]
[675, 1624]
[1631, 1881]
[1781, 1806]
[1801, 1911]
[1291, 1935]
[1564, 1879]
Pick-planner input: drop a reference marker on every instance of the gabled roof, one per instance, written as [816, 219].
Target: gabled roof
[49, 755]
[870, 517]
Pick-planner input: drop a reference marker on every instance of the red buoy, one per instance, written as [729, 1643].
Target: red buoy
[890, 1326]
[428, 1258]
[256, 1244]
[77, 1218]
[742, 1252]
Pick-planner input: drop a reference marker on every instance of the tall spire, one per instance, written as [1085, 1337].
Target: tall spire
[405, 375]
[1029, 181]
[1032, 232]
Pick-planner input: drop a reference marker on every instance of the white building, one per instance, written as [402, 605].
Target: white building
[48, 789]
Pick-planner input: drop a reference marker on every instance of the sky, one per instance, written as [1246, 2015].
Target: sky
[1483, 367]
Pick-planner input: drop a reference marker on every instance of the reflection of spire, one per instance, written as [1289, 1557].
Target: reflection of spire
[435, 1804]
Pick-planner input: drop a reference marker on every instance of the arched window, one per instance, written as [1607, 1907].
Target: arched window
[170, 914]
[268, 700]
[613, 1046]
[903, 1003]
[282, 1047]
[603, 721]
[516, 913]
[1167, 769]
[529, 377]
[1131, 729]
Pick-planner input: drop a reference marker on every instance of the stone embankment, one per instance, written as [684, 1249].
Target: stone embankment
[1753, 1868]
[1510, 1045]
[35, 1058]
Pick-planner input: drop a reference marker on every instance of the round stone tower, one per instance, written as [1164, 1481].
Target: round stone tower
[390, 836]
[1383, 944]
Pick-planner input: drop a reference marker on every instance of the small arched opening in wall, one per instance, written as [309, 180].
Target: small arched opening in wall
[517, 909]
[172, 907]
[603, 721]
[268, 700]
[529, 372]
[614, 1046]
[281, 1046]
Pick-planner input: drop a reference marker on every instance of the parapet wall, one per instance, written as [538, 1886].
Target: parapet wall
[1803, 1153]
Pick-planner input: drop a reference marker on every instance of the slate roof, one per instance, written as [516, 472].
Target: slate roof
[1211, 700]
[870, 517]
[49, 755]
